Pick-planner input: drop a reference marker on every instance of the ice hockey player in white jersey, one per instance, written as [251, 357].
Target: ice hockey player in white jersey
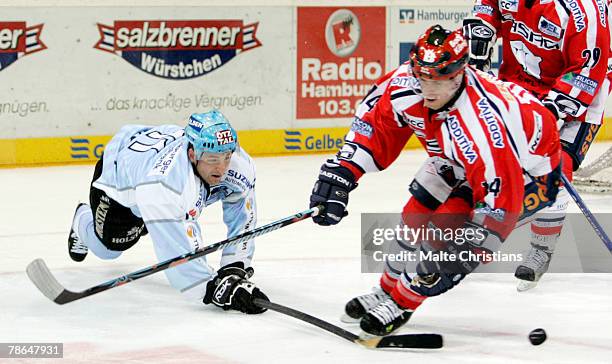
[157, 180]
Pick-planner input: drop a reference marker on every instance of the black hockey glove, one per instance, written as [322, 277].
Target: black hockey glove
[231, 290]
[332, 191]
[435, 276]
[481, 39]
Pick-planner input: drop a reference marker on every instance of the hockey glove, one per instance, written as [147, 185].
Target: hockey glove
[433, 276]
[481, 39]
[332, 191]
[231, 290]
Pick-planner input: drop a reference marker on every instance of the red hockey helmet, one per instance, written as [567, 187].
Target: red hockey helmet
[439, 54]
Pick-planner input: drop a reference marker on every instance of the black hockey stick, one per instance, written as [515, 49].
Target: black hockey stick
[587, 213]
[44, 280]
[407, 341]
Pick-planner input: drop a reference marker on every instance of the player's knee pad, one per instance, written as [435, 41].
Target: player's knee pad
[576, 139]
[434, 182]
[115, 225]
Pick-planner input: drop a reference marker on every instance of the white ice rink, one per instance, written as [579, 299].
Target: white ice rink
[310, 268]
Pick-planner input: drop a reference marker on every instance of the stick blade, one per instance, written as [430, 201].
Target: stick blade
[43, 279]
[420, 341]
[408, 341]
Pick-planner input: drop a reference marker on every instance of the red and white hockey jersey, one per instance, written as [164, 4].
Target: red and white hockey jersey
[557, 49]
[494, 130]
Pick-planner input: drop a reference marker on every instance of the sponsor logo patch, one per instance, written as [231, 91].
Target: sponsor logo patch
[548, 27]
[465, 145]
[601, 8]
[536, 39]
[577, 13]
[18, 40]
[224, 137]
[509, 5]
[164, 163]
[361, 127]
[584, 83]
[240, 179]
[493, 128]
[483, 9]
[177, 49]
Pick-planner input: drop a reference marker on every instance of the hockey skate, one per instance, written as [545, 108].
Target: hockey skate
[76, 248]
[360, 305]
[532, 269]
[383, 319]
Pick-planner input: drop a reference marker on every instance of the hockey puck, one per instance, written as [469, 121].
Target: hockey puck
[537, 336]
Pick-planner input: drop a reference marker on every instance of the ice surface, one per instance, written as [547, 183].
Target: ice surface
[310, 268]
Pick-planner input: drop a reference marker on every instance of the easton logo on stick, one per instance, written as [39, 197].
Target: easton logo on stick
[177, 49]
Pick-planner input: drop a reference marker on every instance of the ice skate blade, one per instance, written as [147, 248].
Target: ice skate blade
[523, 286]
[348, 319]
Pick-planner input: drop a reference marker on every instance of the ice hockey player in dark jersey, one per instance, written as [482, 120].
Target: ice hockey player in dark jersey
[488, 143]
[559, 51]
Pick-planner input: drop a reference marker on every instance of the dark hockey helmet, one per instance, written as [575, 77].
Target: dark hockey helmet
[439, 54]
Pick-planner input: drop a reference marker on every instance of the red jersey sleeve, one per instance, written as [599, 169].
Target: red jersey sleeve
[377, 136]
[583, 81]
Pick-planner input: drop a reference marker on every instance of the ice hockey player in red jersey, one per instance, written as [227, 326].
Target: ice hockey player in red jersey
[559, 51]
[488, 143]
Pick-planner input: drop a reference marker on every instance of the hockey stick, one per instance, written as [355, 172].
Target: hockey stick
[44, 280]
[587, 213]
[408, 341]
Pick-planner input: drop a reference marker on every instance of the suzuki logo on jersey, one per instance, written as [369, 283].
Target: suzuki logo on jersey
[224, 137]
[486, 114]
[237, 176]
[18, 40]
[177, 49]
[465, 145]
